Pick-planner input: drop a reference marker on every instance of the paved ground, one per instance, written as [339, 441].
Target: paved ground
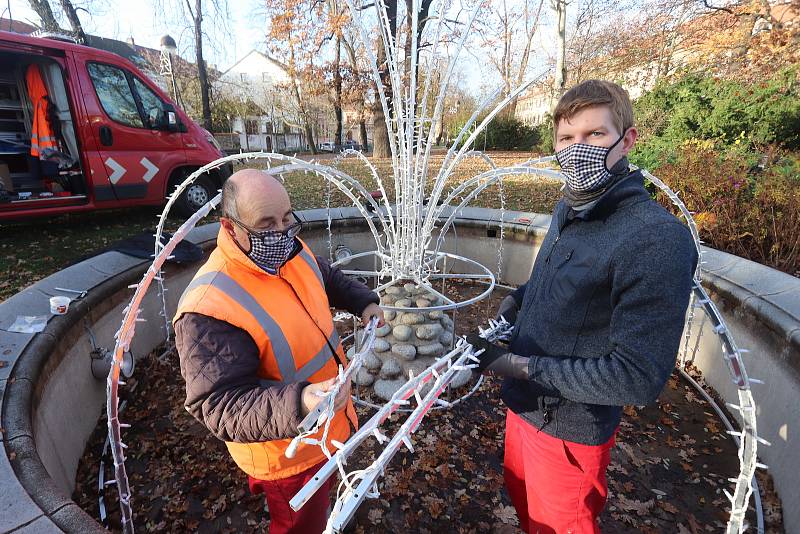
[669, 467]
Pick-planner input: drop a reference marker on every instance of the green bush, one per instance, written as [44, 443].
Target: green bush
[507, 133]
[545, 132]
[721, 110]
[740, 208]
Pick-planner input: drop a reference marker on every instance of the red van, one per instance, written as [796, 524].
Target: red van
[83, 129]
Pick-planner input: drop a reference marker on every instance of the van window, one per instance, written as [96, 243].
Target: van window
[150, 100]
[115, 94]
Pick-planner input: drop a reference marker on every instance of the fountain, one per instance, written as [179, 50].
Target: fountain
[408, 232]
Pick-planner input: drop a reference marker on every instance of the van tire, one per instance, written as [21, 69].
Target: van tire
[195, 196]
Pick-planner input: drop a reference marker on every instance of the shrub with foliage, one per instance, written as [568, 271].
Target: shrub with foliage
[755, 215]
[730, 113]
[545, 132]
[507, 133]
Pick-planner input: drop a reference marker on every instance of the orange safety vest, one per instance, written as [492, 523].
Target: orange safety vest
[279, 312]
[42, 135]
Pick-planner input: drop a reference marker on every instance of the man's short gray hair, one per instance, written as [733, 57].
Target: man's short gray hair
[229, 191]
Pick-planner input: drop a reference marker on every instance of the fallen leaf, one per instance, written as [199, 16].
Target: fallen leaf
[507, 514]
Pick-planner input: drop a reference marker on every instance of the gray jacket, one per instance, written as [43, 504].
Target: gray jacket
[602, 314]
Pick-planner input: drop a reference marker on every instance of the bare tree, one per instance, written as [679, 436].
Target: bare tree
[359, 97]
[508, 32]
[198, 12]
[560, 77]
[380, 134]
[74, 21]
[202, 73]
[45, 12]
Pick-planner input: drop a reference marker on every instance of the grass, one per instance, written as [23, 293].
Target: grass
[33, 250]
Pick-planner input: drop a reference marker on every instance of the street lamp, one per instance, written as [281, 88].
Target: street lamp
[168, 48]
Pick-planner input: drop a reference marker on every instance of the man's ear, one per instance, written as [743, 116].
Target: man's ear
[228, 226]
[629, 139]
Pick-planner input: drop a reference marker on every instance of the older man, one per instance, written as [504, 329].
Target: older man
[258, 346]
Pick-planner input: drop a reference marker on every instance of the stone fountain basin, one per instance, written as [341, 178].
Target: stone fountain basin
[50, 401]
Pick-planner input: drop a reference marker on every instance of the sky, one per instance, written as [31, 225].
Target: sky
[120, 19]
[145, 21]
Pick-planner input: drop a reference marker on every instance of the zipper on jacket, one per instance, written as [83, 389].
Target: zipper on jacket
[552, 248]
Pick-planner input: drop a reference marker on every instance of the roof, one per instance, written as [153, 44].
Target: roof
[16, 26]
[143, 57]
[262, 54]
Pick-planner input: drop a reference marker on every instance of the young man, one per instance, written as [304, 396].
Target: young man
[597, 325]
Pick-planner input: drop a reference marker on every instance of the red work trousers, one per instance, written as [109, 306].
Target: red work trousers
[556, 486]
[310, 519]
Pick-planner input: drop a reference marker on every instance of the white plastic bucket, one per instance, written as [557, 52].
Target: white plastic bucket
[59, 305]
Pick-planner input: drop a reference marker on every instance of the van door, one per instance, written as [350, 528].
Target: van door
[137, 157]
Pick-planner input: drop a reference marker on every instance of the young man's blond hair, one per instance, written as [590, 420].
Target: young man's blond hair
[593, 93]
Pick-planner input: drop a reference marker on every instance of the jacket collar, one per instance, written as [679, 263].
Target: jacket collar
[627, 192]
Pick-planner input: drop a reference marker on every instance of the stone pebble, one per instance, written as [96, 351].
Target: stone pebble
[403, 303]
[389, 315]
[394, 290]
[436, 315]
[429, 331]
[402, 332]
[372, 362]
[431, 349]
[461, 378]
[419, 365]
[410, 288]
[383, 331]
[405, 351]
[412, 318]
[391, 368]
[380, 345]
[422, 303]
[446, 338]
[364, 377]
[386, 388]
[447, 322]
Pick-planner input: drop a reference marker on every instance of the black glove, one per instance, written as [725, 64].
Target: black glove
[508, 309]
[498, 360]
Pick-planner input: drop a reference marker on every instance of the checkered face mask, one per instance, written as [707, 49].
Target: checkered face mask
[584, 166]
[270, 249]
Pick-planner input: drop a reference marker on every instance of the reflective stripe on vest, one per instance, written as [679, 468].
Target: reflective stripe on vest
[312, 263]
[280, 347]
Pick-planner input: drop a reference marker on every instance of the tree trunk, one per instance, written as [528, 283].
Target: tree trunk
[202, 73]
[307, 126]
[45, 12]
[560, 79]
[362, 130]
[337, 87]
[380, 133]
[362, 108]
[526, 54]
[74, 21]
